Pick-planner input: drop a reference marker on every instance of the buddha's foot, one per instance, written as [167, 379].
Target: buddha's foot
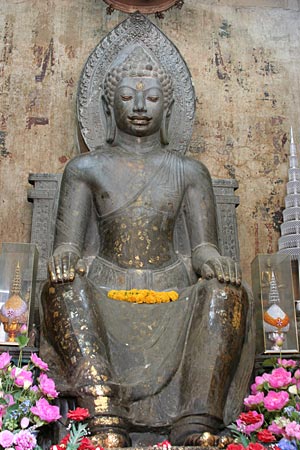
[207, 439]
[110, 439]
[109, 432]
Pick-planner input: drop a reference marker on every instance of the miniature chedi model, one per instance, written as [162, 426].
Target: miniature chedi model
[276, 321]
[289, 242]
[14, 312]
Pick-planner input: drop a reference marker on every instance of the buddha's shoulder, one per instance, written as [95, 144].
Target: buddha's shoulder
[89, 159]
[192, 167]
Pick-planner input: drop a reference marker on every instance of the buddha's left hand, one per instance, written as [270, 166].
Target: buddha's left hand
[64, 265]
[225, 269]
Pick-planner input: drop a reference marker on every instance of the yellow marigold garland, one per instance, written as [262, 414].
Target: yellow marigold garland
[143, 296]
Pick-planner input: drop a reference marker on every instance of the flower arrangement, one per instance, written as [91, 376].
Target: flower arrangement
[273, 411]
[25, 398]
[77, 436]
[143, 296]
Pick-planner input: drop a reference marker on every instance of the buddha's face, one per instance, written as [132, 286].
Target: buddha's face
[139, 105]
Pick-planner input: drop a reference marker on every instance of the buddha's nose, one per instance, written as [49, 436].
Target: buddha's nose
[139, 102]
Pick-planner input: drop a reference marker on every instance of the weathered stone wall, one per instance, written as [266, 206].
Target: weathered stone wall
[244, 56]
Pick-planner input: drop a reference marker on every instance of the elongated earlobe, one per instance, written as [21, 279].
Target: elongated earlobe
[110, 121]
[164, 129]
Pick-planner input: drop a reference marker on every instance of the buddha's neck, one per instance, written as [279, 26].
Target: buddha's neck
[138, 145]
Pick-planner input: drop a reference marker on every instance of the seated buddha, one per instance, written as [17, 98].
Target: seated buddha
[162, 367]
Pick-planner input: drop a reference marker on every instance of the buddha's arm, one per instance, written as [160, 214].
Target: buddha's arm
[201, 215]
[71, 223]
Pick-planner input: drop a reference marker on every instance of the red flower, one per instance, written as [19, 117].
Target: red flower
[250, 417]
[235, 447]
[164, 444]
[78, 414]
[266, 436]
[86, 444]
[255, 446]
[65, 440]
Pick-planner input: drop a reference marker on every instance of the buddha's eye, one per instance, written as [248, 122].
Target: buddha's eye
[153, 98]
[126, 98]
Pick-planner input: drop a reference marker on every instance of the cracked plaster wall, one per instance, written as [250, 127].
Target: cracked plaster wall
[244, 57]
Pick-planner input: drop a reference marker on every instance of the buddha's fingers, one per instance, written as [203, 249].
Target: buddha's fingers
[230, 276]
[58, 268]
[207, 272]
[238, 274]
[51, 270]
[220, 271]
[81, 267]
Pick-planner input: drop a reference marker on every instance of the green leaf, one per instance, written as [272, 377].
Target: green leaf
[270, 362]
[244, 440]
[76, 434]
[12, 408]
[22, 340]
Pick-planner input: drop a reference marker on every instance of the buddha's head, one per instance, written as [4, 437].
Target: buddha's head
[138, 97]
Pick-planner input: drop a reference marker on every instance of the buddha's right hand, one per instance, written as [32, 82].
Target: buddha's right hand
[64, 265]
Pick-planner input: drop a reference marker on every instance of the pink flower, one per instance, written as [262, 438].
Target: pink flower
[45, 411]
[280, 378]
[254, 400]
[6, 438]
[24, 440]
[47, 386]
[9, 399]
[2, 410]
[274, 401]
[286, 363]
[274, 428]
[21, 377]
[24, 422]
[5, 359]
[38, 362]
[292, 429]
[259, 382]
[249, 422]
[297, 374]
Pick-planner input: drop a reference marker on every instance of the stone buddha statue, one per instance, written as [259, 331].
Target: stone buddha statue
[164, 368]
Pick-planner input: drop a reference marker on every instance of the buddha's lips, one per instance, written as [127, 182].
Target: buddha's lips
[139, 120]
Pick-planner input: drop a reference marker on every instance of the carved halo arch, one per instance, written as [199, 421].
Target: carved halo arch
[111, 51]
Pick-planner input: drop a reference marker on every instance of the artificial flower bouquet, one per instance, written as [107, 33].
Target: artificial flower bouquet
[77, 436]
[272, 418]
[25, 400]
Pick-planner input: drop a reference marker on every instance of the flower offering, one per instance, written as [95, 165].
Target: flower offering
[143, 296]
[26, 393]
[272, 418]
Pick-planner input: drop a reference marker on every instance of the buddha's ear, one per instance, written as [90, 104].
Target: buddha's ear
[164, 129]
[110, 120]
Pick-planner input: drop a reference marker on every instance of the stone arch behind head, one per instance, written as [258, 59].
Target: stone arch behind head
[116, 46]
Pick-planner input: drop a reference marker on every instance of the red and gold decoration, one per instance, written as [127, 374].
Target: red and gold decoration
[143, 6]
